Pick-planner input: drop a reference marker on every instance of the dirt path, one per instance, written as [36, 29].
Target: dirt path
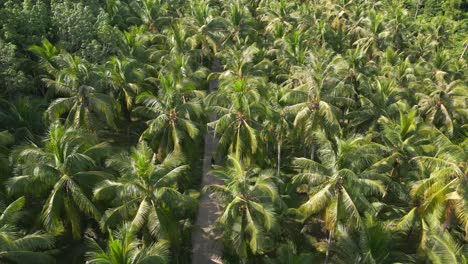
[205, 249]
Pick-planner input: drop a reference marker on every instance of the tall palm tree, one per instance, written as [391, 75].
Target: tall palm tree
[292, 49]
[205, 26]
[378, 100]
[444, 103]
[314, 91]
[64, 171]
[123, 76]
[146, 193]
[151, 13]
[247, 196]
[444, 192]
[22, 117]
[446, 249]
[277, 124]
[240, 23]
[235, 125]
[371, 32]
[173, 116]
[373, 243]
[341, 184]
[84, 105]
[277, 16]
[17, 246]
[124, 247]
[237, 104]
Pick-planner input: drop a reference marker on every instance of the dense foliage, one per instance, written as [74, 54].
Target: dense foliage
[342, 128]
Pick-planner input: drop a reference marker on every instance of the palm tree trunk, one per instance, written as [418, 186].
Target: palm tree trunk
[312, 156]
[330, 236]
[312, 151]
[418, 4]
[278, 164]
[238, 144]
[448, 220]
[463, 53]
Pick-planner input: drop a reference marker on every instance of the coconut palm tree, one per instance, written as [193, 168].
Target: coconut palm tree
[236, 127]
[84, 109]
[446, 249]
[206, 27]
[18, 246]
[64, 172]
[247, 197]
[123, 247]
[444, 103]
[371, 32]
[401, 140]
[378, 100]
[292, 49]
[22, 117]
[124, 78]
[151, 13]
[277, 124]
[310, 97]
[173, 116]
[277, 16]
[237, 104]
[240, 23]
[84, 106]
[146, 193]
[444, 192]
[341, 184]
[373, 243]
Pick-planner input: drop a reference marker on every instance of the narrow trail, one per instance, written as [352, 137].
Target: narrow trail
[205, 249]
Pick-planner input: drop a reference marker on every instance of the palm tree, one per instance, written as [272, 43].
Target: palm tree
[446, 249]
[444, 193]
[85, 107]
[48, 56]
[292, 49]
[173, 116]
[444, 103]
[134, 43]
[65, 170]
[238, 137]
[239, 21]
[124, 247]
[22, 117]
[146, 193]
[205, 27]
[124, 78]
[377, 101]
[277, 16]
[237, 104]
[17, 246]
[371, 33]
[151, 13]
[401, 140]
[373, 243]
[277, 124]
[247, 196]
[341, 183]
[311, 98]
